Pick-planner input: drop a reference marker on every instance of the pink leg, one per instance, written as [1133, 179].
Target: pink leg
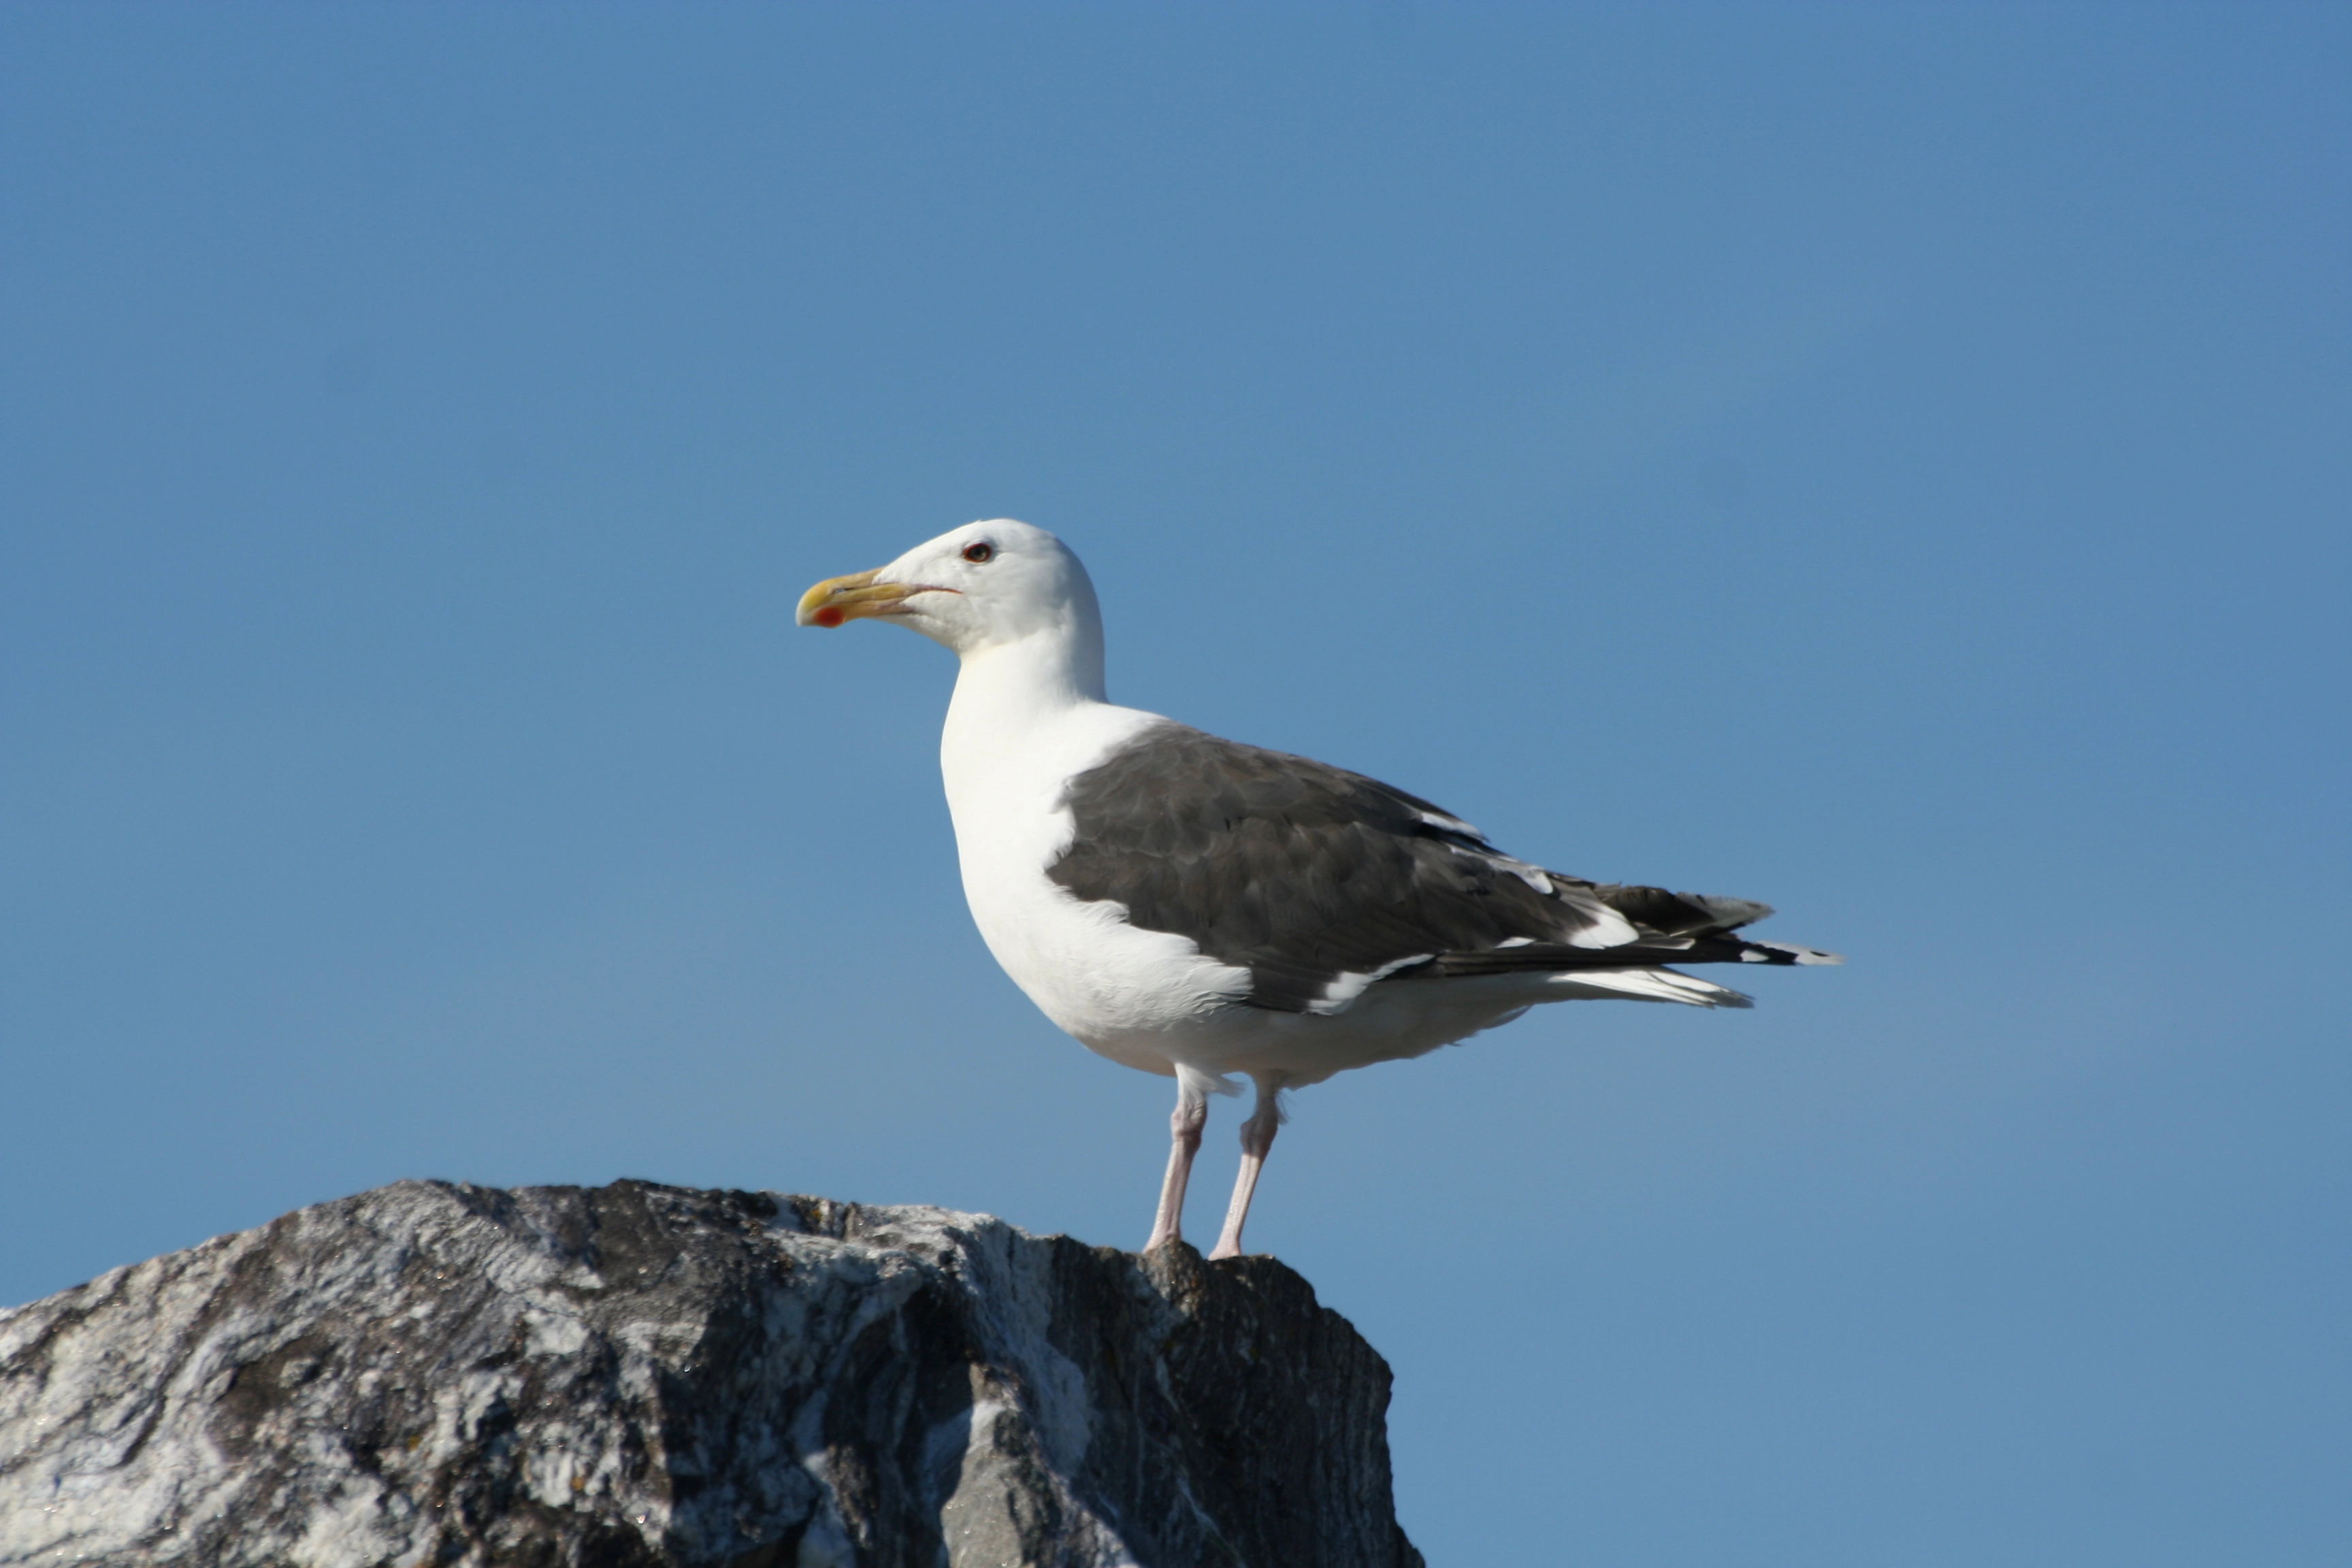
[1258, 1137]
[1184, 1126]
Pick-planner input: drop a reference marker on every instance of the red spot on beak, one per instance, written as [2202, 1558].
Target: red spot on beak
[828, 616]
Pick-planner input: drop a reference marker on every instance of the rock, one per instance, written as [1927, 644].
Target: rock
[633, 1375]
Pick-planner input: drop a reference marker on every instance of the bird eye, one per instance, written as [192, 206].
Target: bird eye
[980, 554]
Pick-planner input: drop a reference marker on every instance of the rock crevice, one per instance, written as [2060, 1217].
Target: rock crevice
[641, 1376]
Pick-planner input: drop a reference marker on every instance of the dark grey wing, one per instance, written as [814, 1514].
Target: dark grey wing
[1305, 874]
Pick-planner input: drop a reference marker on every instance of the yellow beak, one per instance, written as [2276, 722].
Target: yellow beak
[839, 599]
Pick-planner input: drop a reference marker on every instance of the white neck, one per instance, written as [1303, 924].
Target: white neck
[1008, 691]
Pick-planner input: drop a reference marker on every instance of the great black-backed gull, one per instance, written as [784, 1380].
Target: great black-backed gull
[1197, 908]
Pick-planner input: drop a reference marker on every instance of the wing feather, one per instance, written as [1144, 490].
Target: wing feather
[1313, 877]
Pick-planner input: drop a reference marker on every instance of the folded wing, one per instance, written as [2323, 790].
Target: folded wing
[1321, 883]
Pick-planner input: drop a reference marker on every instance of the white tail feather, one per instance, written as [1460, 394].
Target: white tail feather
[1646, 985]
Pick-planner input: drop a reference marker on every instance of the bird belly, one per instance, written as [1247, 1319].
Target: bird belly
[1394, 1020]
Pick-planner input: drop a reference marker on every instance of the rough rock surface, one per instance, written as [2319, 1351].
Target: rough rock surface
[635, 1376]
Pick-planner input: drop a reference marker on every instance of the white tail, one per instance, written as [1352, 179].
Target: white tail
[1646, 985]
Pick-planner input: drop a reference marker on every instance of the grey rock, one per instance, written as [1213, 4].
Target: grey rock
[640, 1375]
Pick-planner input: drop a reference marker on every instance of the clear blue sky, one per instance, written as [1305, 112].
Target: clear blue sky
[1895, 463]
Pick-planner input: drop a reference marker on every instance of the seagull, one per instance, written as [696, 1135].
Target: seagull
[1203, 909]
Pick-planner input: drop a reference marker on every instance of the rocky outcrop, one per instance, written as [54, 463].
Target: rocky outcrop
[635, 1375]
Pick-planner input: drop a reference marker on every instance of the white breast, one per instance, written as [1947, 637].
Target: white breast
[1120, 990]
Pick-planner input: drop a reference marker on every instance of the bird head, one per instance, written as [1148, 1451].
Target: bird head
[974, 588]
